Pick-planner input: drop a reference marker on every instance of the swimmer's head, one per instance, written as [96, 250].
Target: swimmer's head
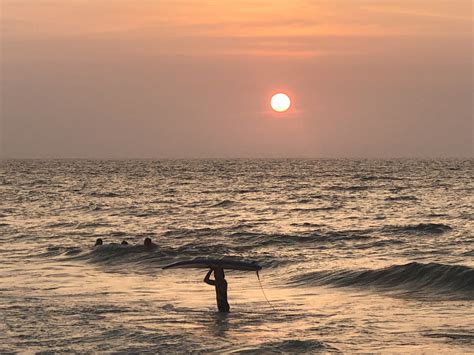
[147, 242]
[98, 242]
[124, 242]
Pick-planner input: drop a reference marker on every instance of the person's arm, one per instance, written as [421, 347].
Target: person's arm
[206, 279]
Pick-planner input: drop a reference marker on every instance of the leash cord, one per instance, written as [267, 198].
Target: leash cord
[264, 295]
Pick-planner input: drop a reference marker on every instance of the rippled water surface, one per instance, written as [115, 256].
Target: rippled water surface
[357, 255]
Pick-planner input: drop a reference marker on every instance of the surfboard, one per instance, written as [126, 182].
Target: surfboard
[205, 263]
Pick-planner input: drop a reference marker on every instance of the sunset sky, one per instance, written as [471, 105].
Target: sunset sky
[193, 79]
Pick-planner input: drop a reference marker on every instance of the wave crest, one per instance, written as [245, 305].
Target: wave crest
[290, 346]
[426, 279]
[421, 228]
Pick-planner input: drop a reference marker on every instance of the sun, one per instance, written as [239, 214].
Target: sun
[280, 102]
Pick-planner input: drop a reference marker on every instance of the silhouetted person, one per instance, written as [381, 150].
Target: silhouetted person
[98, 242]
[124, 242]
[221, 288]
[149, 244]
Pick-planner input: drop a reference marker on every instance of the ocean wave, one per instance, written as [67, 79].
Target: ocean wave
[257, 240]
[62, 224]
[401, 198]
[335, 236]
[314, 209]
[375, 177]
[39, 182]
[92, 225]
[421, 228]
[289, 346]
[104, 194]
[136, 258]
[124, 256]
[191, 232]
[455, 337]
[349, 188]
[306, 224]
[304, 200]
[380, 244]
[433, 215]
[413, 278]
[237, 237]
[245, 191]
[225, 203]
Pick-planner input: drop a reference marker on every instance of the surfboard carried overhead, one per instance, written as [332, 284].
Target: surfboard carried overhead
[207, 263]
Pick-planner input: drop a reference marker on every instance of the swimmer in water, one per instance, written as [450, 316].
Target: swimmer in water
[149, 244]
[124, 242]
[98, 242]
[220, 284]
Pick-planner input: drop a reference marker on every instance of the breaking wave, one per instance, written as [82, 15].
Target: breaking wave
[421, 228]
[415, 278]
[289, 346]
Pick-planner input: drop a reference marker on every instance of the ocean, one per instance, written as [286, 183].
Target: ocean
[357, 255]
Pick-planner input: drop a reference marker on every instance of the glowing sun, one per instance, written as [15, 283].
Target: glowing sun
[280, 102]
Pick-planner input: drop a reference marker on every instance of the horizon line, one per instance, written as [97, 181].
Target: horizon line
[244, 158]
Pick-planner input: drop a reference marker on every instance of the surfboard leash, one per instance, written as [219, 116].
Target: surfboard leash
[263, 291]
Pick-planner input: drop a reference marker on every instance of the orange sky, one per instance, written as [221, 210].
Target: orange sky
[183, 78]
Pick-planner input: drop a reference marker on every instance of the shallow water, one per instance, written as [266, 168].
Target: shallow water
[358, 255]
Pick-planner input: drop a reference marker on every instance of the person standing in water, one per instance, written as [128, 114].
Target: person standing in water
[221, 288]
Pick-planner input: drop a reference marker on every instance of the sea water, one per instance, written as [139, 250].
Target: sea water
[357, 255]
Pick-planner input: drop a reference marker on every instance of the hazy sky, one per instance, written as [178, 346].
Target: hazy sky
[190, 79]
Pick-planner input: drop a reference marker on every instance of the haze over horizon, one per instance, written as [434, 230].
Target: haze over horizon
[193, 79]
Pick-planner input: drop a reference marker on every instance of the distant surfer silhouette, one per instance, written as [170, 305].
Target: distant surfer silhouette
[98, 242]
[124, 242]
[149, 244]
[221, 288]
